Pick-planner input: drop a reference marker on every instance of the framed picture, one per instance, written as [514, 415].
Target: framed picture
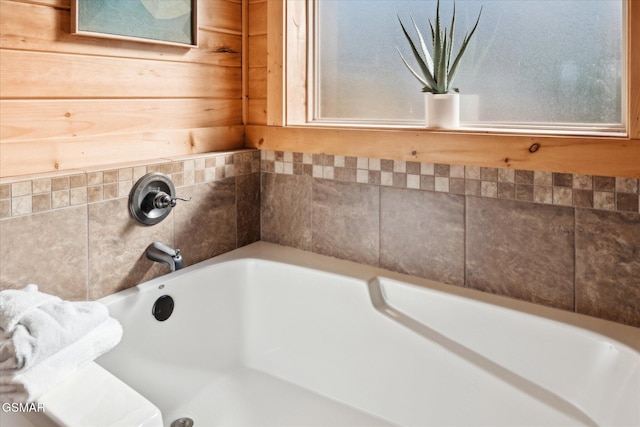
[171, 22]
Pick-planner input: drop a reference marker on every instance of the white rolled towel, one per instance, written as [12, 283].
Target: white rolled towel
[35, 325]
[29, 384]
[44, 338]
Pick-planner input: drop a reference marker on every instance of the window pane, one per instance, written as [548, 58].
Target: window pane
[530, 61]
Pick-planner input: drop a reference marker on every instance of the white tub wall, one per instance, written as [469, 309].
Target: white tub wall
[465, 226]
[249, 309]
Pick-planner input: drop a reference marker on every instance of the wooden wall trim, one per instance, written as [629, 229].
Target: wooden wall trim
[85, 152]
[592, 156]
[275, 59]
[633, 54]
[245, 58]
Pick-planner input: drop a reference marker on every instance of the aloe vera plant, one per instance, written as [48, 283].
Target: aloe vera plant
[438, 71]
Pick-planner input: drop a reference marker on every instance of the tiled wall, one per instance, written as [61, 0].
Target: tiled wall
[561, 240]
[566, 241]
[72, 234]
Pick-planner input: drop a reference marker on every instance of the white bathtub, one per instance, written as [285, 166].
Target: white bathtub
[268, 335]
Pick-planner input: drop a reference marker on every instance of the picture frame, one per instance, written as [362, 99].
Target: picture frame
[166, 22]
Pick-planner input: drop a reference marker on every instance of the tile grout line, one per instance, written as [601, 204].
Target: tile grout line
[575, 259]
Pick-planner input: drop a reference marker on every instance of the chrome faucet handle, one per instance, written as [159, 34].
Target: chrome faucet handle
[175, 200]
[162, 200]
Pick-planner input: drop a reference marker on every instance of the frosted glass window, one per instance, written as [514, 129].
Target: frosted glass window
[530, 61]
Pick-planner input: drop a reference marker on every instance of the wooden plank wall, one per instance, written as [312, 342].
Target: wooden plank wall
[70, 102]
[257, 63]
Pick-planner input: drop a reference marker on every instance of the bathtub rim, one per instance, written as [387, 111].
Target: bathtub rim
[626, 335]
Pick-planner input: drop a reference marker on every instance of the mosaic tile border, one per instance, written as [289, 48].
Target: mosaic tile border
[41, 193]
[563, 189]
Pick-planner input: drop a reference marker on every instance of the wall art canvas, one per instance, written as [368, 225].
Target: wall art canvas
[153, 21]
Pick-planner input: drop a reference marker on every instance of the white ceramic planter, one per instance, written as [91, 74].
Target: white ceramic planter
[442, 110]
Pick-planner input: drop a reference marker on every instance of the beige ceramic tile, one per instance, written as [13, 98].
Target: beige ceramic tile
[472, 172]
[607, 265]
[345, 220]
[562, 196]
[41, 202]
[5, 191]
[79, 180]
[212, 208]
[532, 262]
[78, 196]
[48, 249]
[21, 189]
[21, 205]
[456, 171]
[248, 211]
[543, 178]
[42, 186]
[627, 185]
[286, 209]
[94, 194]
[60, 199]
[5, 208]
[506, 175]
[583, 182]
[442, 184]
[425, 245]
[95, 178]
[116, 248]
[604, 200]
[427, 168]
[543, 194]
[489, 189]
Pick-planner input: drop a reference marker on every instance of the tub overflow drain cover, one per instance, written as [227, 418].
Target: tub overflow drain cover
[182, 422]
[162, 309]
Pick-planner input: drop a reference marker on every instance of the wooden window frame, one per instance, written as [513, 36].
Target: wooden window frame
[287, 61]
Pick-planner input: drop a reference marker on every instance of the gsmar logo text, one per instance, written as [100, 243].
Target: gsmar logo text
[22, 407]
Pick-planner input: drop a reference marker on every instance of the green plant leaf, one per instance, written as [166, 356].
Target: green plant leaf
[427, 74]
[423, 46]
[463, 48]
[441, 78]
[451, 38]
[416, 75]
[437, 46]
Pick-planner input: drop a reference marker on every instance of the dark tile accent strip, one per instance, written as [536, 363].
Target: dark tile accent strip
[40, 193]
[549, 188]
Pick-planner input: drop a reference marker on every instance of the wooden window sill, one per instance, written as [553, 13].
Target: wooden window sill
[592, 155]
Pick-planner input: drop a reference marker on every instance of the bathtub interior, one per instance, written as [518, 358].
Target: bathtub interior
[257, 342]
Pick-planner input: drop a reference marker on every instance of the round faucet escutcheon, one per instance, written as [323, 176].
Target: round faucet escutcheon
[152, 197]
